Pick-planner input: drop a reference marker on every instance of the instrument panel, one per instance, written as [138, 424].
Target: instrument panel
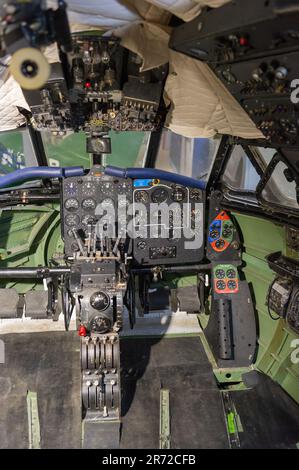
[221, 232]
[171, 230]
[253, 48]
[106, 91]
[263, 87]
[226, 279]
[239, 30]
[164, 221]
[86, 201]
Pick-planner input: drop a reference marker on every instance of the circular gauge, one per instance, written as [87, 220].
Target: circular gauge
[89, 204]
[178, 194]
[220, 244]
[100, 324]
[124, 186]
[71, 188]
[72, 220]
[88, 220]
[220, 285]
[195, 195]
[71, 204]
[220, 273]
[227, 231]
[107, 188]
[232, 285]
[159, 195]
[107, 203]
[231, 274]
[214, 234]
[88, 188]
[141, 196]
[141, 245]
[100, 301]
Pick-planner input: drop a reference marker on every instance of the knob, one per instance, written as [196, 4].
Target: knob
[281, 73]
[256, 74]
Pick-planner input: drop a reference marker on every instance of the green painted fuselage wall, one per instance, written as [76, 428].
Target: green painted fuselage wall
[276, 341]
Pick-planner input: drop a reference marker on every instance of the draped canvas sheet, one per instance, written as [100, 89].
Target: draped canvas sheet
[11, 97]
[114, 13]
[200, 105]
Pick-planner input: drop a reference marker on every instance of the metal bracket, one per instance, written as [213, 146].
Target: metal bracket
[164, 441]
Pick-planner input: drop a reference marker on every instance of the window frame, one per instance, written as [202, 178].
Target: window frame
[236, 199]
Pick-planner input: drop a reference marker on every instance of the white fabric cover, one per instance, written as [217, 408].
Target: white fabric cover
[11, 97]
[105, 14]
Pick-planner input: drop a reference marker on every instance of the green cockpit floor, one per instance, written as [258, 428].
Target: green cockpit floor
[48, 363]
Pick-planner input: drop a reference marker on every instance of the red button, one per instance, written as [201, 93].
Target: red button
[82, 331]
[243, 41]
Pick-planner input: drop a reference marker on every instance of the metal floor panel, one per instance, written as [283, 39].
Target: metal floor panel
[48, 364]
[272, 419]
[181, 366]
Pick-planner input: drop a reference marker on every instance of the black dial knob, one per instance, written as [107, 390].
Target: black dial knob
[100, 301]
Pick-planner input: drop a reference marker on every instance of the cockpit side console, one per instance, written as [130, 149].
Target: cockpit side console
[231, 331]
[253, 48]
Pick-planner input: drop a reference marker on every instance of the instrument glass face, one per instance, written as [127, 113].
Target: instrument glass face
[71, 204]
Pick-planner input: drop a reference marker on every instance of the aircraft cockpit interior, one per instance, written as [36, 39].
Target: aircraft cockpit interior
[149, 225]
